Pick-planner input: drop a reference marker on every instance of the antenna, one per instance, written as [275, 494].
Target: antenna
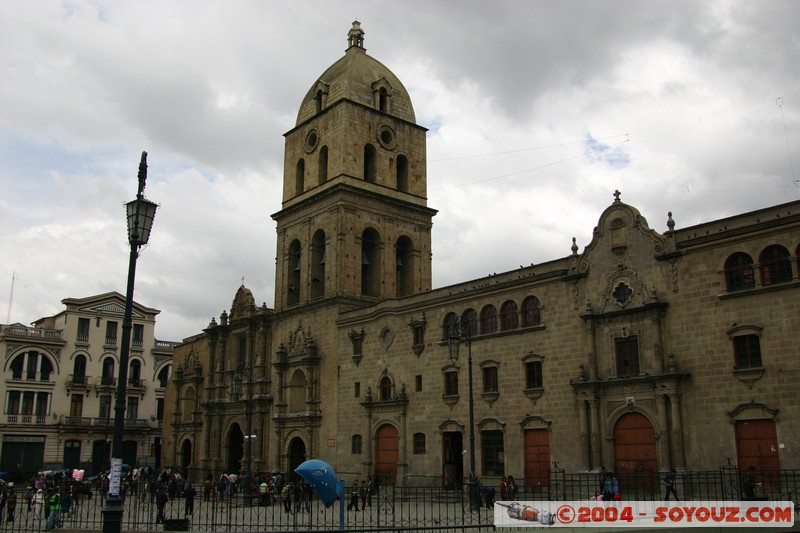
[11, 297]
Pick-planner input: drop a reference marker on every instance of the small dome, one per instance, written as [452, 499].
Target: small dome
[359, 78]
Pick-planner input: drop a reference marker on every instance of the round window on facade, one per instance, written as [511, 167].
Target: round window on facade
[312, 139]
[387, 137]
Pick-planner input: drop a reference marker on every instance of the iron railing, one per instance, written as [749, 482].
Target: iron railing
[391, 508]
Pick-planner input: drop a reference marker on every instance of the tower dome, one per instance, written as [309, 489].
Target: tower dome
[359, 78]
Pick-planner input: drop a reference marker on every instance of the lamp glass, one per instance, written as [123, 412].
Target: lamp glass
[453, 343]
[141, 214]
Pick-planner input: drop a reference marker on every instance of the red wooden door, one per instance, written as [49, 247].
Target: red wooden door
[635, 457]
[757, 446]
[537, 458]
[387, 453]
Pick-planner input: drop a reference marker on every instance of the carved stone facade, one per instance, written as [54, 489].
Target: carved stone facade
[646, 350]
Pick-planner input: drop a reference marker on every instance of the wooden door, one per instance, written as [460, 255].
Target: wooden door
[757, 446]
[537, 458]
[635, 456]
[387, 453]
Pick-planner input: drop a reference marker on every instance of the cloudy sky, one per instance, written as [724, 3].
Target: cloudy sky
[537, 111]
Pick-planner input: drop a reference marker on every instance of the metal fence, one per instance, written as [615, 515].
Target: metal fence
[390, 508]
[396, 508]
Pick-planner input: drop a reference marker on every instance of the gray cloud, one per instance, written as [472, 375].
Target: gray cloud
[508, 90]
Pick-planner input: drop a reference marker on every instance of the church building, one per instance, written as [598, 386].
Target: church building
[650, 349]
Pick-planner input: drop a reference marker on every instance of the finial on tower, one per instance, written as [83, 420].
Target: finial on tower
[355, 37]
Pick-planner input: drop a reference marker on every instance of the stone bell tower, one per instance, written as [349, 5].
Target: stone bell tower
[354, 222]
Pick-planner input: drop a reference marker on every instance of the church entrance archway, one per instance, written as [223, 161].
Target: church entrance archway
[387, 453]
[186, 457]
[235, 449]
[635, 455]
[297, 456]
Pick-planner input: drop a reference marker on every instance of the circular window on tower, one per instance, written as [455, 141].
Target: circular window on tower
[387, 137]
[312, 140]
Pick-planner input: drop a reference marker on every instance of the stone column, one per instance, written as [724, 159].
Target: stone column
[663, 444]
[585, 431]
[597, 453]
[677, 432]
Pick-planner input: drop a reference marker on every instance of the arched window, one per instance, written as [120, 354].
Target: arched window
[775, 265]
[383, 100]
[739, 272]
[385, 388]
[318, 264]
[404, 268]
[318, 102]
[449, 326]
[293, 288]
[355, 444]
[370, 164]
[300, 177]
[297, 392]
[164, 375]
[531, 311]
[508, 316]
[419, 443]
[108, 371]
[135, 373]
[323, 165]
[402, 173]
[370, 263]
[469, 319]
[489, 319]
[79, 369]
[31, 366]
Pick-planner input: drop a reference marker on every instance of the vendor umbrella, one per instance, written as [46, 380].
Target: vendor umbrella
[321, 477]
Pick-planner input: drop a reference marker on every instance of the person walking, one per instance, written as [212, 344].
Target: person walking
[3, 499]
[353, 497]
[161, 502]
[362, 493]
[11, 503]
[54, 506]
[189, 494]
[297, 496]
[37, 503]
[286, 497]
[669, 485]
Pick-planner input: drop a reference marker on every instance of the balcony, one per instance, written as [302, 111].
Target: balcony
[15, 331]
[78, 421]
[135, 423]
[77, 382]
[102, 421]
[110, 343]
[105, 385]
[164, 347]
[39, 420]
[137, 385]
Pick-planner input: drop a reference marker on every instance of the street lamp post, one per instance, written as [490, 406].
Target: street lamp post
[461, 327]
[141, 213]
[237, 384]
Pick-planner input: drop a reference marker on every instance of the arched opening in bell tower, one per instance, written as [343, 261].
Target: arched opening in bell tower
[318, 265]
[402, 173]
[370, 164]
[293, 285]
[404, 268]
[370, 263]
